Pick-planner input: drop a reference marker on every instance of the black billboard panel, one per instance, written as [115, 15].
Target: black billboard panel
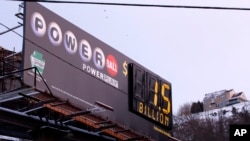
[84, 70]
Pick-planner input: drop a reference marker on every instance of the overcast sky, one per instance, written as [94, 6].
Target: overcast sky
[199, 51]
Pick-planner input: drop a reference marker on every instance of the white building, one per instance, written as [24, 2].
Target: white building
[222, 98]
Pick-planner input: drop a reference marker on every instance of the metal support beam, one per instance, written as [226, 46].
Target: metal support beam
[33, 109]
[58, 104]
[19, 15]
[104, 105]
[68, 117]
[17, 118]
[37, 106]
[78, 113]
[122, 131]
[107, 126]
[103, 122]
[30, 97]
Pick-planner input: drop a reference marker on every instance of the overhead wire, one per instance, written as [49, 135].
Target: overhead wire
[139, 5]
[9, 29]
[12, 30]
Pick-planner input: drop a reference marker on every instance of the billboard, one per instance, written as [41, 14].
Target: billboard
[84, 70]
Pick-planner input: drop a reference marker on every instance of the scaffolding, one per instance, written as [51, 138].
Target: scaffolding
[10, 61]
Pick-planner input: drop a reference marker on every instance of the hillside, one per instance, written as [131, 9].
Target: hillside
[213, 125]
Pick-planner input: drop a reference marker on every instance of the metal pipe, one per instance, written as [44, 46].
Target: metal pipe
[53, 123]
[36, 72]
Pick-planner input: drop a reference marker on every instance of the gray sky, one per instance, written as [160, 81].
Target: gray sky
[198, 51]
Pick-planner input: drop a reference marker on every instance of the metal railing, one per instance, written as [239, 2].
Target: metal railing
[21, 72]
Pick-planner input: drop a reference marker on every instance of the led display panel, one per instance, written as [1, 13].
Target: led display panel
[150, 96]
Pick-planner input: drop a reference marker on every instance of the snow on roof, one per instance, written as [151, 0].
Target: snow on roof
[214, 94]
[227, 110]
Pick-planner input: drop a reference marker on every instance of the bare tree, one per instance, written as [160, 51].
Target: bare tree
[206, 127]
[185, 109]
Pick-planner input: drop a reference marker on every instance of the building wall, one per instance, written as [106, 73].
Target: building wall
[222, 98]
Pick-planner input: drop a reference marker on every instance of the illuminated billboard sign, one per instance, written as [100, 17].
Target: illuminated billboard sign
[83, 70]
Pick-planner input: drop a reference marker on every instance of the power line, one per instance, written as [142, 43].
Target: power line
[142, 5]
[11, 29]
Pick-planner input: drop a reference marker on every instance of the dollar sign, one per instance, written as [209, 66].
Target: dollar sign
[125, 68]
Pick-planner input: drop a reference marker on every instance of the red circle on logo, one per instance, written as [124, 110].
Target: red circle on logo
[112, 66]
